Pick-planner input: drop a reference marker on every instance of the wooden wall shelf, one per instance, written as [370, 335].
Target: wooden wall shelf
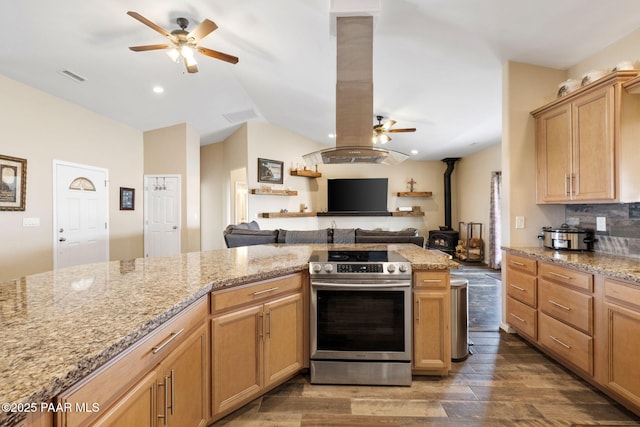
[414, 213]
[286, 214]
[415, 193]
[274, 192]
[305, 173]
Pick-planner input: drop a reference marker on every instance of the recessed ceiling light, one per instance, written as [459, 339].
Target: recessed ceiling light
[414, 151]
[158, 89]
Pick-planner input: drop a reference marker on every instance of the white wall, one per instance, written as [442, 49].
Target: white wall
[40, 128]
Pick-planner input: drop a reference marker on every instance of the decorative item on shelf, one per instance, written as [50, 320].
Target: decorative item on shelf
[568, 86]
[284, 210]
[411, 183]
[304, 207]
[405, 209]
[592, 76]
[623, 66]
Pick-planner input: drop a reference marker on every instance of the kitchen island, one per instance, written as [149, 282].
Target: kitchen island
[61, 326]
[582, 309]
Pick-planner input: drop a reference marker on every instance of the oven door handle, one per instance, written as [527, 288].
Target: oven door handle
[362, 283]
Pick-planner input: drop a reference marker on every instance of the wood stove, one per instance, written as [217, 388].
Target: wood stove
[445, 239]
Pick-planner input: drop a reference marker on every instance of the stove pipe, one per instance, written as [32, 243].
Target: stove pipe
[450, 161]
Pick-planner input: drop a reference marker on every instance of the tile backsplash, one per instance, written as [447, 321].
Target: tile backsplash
[623, 226]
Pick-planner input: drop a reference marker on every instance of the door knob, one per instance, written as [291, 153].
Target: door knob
[61, 230]
[62, 239]
[175, 227]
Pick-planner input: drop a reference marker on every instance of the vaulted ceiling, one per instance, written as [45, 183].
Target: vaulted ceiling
[437, 63]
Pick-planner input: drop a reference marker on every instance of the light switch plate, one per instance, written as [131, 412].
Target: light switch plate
[519, 222]
[31, 222]
[601, 223]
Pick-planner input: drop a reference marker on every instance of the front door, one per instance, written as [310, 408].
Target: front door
[81, 233]
[162, 215]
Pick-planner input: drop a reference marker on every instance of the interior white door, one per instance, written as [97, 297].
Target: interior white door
[162, 215]
[81, 233]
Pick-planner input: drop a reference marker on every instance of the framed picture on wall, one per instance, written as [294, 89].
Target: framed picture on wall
[127, 199]
[13, 183]
[270, 171]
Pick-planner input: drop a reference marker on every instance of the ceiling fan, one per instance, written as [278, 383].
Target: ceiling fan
[380, 130]
[183, 44]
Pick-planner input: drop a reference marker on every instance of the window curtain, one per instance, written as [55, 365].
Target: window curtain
[495, 220]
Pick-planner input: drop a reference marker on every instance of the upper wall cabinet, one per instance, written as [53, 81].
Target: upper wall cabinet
[586, 144]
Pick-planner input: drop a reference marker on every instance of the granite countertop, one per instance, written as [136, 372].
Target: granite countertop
[58, 327]
[613, 266]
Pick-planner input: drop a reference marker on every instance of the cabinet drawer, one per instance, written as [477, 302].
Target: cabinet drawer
[522, 287]
[564, 304]
[571, 344]
[625, 294]
[107, 384]
[237, 296]
[567, 276]
[522, 317]
[431, 279]
[522, 263]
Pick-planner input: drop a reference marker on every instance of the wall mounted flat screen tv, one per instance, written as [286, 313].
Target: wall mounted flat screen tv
[357, 195]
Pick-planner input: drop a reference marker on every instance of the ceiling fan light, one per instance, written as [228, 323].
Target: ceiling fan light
[173, 54]
[187, 52]
[382, 138]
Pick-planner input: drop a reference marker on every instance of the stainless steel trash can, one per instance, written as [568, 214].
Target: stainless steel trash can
[459, 319]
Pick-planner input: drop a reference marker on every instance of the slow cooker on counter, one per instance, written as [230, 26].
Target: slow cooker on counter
[568, 238]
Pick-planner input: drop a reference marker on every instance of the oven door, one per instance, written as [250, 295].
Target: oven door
[361, 320]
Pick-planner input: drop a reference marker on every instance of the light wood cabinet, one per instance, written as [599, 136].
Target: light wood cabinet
[432, 323]
[581, 141]
[168, 369]
[257, 340]
[522, 295]
[622, 314]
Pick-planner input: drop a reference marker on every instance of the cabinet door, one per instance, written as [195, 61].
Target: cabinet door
[183, 398]
[553, 155]
[593, 152]
[623, 326]
[432, 334]
[283, 352]
[236, 357]
[136, 408]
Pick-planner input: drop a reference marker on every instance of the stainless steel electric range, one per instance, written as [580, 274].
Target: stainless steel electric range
[360, 317]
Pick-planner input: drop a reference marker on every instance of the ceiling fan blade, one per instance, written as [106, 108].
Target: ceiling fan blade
[389, 123]
[402, 130]
[193, 68]
[150, 47]
[217, 55]
[145, 21]
[205, 28]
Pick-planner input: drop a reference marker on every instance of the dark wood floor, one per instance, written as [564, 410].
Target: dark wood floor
[505, 382]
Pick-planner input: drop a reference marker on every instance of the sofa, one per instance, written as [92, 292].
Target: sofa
[248, 234]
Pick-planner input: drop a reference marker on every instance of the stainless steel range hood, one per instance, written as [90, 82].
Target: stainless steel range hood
[354, 98]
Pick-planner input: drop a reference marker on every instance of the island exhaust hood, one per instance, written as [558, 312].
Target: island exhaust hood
[354, 98]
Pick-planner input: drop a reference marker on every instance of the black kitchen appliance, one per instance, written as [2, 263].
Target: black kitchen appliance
[567, 238]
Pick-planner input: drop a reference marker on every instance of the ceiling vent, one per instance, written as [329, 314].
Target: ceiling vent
[240, 116]
[73, 76]
[354, 98]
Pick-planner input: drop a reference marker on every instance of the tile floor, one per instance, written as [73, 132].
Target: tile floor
[505, 382]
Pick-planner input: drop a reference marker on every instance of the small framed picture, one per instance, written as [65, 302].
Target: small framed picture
[127, 199]
[270, 171]
[13, 183]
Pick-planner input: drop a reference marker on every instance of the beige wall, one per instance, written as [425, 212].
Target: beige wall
[42, 128]
[626, 49]
[525, 88]
[474, 186]
[176, 150]
[212, 191]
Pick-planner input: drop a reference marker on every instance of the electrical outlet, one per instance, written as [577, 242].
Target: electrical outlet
[519, 222]
[601, 223]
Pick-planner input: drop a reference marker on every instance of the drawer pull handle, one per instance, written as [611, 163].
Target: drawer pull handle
[519, 318]
[562, 276]
[520, 264]
[167, 341]
[560, 342]
[517, 287]
[564, 307]
[265, 291]
[431, 281]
